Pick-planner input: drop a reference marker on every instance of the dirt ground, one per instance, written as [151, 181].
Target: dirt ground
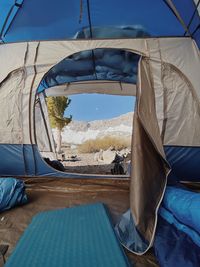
[53, 193]
[85, 163]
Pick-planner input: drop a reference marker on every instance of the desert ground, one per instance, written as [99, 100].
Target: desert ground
[86, 163]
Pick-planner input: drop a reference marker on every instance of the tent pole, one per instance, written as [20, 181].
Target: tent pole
[176, 13]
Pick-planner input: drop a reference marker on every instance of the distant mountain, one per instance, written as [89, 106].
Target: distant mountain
[78, 132]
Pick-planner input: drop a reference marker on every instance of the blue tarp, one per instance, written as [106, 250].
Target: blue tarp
[12, 193]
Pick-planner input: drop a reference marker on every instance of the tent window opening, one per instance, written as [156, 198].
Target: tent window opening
[84, 112]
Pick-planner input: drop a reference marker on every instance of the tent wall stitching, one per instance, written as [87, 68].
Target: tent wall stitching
[30, 103]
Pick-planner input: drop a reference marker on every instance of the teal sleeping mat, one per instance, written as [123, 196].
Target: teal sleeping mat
[72, 237]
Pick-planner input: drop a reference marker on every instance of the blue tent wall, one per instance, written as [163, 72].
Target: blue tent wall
[24, 20]
[25, 160]
[184, 162]
[28, 162]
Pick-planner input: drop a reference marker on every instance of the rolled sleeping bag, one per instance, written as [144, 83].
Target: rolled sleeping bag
[177, 238]
[12, 193]
[184, 205]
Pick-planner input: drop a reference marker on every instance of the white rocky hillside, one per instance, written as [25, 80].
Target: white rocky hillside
[78, 132]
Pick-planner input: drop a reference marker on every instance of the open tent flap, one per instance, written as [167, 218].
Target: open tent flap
[150, 170]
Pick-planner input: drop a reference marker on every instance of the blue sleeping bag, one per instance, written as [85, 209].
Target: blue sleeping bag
[184, 205]
[12, 193]
[177, 239]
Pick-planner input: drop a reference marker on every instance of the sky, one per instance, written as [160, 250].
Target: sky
[88, 107]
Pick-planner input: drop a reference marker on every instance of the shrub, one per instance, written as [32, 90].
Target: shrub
[117, 143]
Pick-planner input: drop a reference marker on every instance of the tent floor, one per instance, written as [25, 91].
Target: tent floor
[52, 193]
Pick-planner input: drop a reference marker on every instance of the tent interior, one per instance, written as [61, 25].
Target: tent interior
[109, 47]
[152, 147]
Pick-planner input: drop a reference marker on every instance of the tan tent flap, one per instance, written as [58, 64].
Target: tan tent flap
[148, 178]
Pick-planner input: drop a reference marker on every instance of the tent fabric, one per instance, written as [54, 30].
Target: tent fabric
[168, 110]
[96, 86]
[83, 18]
[12, 193]
[17, 130]
[128, 234]
[43, 133]
[184, 162]
[151, 164]
[44, 55]
[33, 60]
[25, 160]
[176, 84]
[99, 64]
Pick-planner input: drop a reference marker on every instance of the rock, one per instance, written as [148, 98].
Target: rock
[73, 146]
[99, 156]
[106, 157]
[96, 156]
[109, 156]
[126, 154]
